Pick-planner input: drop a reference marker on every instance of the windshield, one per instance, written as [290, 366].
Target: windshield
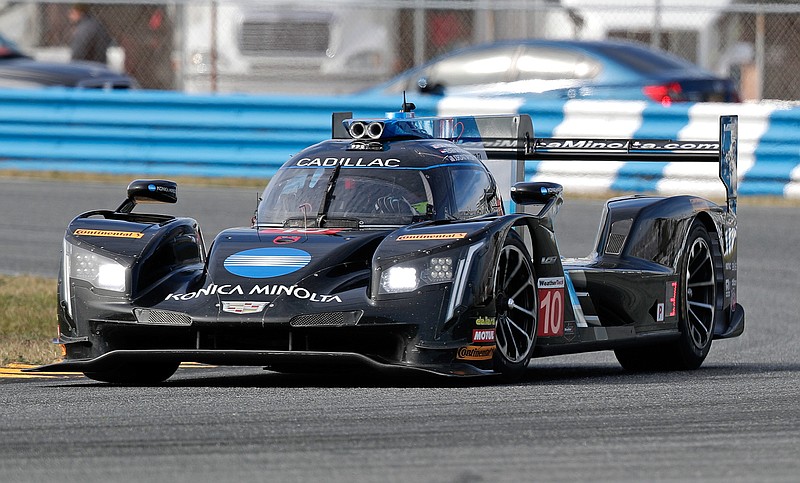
[294, 197]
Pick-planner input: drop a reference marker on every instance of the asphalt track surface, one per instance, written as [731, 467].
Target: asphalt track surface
[573, 418]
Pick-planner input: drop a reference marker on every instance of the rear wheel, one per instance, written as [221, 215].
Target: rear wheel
[698, 301]
[150, 373]
[515, 309]
[697, 304]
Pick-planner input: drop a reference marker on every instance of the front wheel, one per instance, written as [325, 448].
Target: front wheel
[516, 308]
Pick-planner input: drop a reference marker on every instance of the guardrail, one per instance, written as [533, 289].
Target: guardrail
[153, 133]
[166, 133]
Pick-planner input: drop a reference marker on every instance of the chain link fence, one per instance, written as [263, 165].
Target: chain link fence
[341, 46]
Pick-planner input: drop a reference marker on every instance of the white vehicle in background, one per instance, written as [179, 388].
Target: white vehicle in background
[274, 46]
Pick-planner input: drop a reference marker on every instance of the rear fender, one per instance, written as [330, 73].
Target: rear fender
[657, 229]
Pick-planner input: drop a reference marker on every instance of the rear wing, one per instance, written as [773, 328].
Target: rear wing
[724, 151]
[502, 138]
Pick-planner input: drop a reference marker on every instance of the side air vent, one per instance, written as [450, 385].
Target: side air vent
[161, 317]
[617, 236]
[327, 319]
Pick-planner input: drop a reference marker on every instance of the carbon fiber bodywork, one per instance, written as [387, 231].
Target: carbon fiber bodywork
[424, 286]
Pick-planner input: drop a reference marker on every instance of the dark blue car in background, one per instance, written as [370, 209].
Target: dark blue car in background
[20, 70]
[565, 69]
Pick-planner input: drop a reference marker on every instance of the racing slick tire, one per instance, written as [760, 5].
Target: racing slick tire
[697, 309]
[146, 373]
[516, 309]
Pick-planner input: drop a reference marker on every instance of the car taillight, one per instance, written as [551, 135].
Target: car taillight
[666, 94]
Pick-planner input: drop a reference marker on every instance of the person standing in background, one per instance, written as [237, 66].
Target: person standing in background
[90, 40]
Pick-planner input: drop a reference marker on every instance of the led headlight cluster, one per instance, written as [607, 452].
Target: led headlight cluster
[102, 272]
[409, 276]
[439, 270]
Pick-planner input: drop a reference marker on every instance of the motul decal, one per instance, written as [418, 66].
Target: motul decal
[483, 335]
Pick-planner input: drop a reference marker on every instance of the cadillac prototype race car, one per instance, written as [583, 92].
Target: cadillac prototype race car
[389, 246]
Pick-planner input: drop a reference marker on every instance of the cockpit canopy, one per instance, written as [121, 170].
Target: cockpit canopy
[404, 182]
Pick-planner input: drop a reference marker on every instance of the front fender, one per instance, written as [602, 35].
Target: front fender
[475, 247]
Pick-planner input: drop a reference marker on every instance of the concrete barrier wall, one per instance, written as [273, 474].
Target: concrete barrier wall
[150, 133]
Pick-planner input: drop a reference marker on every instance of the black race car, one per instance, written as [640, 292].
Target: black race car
[389, 246]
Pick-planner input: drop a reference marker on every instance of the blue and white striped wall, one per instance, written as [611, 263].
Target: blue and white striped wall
[150, 133]
[769, 143]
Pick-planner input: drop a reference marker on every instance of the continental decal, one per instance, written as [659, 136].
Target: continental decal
[475, 353]
[432, 236]
[108, 233]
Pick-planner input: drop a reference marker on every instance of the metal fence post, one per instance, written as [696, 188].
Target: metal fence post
[760, 62]
[214, 52]
[419, 33]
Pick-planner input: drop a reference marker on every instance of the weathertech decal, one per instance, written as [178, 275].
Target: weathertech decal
[551, 307]
[475, 353]
[432, 236]
[108, 233]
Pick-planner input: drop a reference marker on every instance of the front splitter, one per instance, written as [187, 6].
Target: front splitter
[294, 361]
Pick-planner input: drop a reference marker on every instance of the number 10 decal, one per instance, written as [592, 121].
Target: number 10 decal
[551, 307]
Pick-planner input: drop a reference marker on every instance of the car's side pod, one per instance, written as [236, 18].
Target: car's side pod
[149, 191]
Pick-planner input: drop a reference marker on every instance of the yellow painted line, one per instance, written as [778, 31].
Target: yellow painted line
[14, 371]
[196, 365]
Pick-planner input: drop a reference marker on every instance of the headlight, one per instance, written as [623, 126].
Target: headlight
[102, 272]
[408, 276]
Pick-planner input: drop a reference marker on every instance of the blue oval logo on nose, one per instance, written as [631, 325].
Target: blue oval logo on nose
[151, 187]
[266, 262]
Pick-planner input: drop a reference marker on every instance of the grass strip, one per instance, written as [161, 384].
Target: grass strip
[28, 320]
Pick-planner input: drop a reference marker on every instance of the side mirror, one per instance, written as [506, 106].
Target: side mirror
[149, 191]
[153, 191]
[535, 193]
